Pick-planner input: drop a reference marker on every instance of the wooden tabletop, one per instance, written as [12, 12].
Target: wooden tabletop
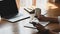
[18, 28]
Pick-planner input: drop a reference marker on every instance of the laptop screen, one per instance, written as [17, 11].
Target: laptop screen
[8, 8]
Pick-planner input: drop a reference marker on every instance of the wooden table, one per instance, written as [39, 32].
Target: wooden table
[18, 28]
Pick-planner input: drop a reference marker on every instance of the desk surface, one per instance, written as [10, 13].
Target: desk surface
[18, 28]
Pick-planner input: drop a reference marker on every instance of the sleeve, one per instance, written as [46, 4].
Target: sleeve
[59, 19]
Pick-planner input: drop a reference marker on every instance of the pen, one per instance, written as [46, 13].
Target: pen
[30, 27]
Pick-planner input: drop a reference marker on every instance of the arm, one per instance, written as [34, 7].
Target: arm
[55, 20]
[50, 19]
[41, 29]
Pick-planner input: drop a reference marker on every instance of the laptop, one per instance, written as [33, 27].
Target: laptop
[8, 9]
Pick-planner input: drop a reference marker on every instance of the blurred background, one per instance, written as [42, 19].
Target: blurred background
[50, 7]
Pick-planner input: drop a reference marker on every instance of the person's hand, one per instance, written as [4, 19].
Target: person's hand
[42, 18]
[38, 26]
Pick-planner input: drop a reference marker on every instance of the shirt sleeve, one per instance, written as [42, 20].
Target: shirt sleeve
[59, 19]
